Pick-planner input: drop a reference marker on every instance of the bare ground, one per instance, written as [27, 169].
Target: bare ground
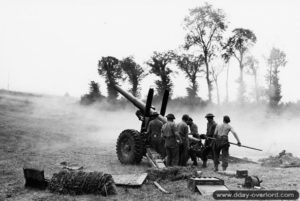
[48, 131]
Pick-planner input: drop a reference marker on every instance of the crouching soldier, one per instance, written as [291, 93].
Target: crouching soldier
[172, 141]
[154, 133]
[222, 144]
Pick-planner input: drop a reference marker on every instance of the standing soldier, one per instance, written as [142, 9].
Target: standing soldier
[222, 144]
[154, 133]
[172, 140]
[211, 126]
[195, 147]
[183, 131]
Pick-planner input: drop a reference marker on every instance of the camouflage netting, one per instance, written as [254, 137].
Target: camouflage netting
[283, 159]
[79, 182]
[170, 173]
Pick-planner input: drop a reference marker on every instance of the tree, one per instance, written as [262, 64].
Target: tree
[252, 69]
[109, 68]
[237, 46]
[135, 74]
[94, 89]
[192, 67]
[205, 26]
[93, 95]
[158, 64]
[276, 59]
[215, 72]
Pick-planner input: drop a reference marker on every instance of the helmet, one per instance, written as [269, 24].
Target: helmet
[154, 114]
[170, 116]
[185, 117]
[209, 115]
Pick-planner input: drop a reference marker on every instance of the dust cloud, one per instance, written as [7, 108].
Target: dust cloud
[97, 126]
[256, 127]
[81, 125]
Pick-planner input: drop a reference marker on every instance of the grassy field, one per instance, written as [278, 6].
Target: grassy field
[50, 130]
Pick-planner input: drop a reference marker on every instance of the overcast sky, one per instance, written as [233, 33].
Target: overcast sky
[54, 46]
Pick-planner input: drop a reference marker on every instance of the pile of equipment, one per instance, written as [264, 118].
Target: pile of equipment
[77, 183]
[283, 159]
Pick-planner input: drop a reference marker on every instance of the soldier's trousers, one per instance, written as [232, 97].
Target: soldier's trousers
[206, 151]
[221, 145]
[172, 156]
[183, 153]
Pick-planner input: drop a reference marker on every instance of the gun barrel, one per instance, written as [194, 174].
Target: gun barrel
[137, 103]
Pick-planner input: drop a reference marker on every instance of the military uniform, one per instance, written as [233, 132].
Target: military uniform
[184, 147]
[211, 126]
[194, 130]
[154, 132]
[221, 144]
[172, 149]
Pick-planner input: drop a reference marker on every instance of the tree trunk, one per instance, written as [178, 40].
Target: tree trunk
[256, 87]
[194, 87]
[241, 73]
[209, 87]
[242, 86]
[227, 77]
[218, 95]
[135, 90]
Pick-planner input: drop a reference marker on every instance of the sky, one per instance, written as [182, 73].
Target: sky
[53, 47]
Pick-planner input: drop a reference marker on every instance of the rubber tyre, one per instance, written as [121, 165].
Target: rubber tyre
[130, 147]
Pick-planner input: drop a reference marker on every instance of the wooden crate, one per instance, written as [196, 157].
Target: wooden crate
[195, 181]
[210, 189]
[130, 179]
[34, 177]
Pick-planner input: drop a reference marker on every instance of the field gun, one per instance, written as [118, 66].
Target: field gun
[131, 143]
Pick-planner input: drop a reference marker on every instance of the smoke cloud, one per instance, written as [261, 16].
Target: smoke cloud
[98, 126]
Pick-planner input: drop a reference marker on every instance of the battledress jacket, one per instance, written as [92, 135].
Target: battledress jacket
[154, 128]
[183, 131]
[211, 126]
[168, 132]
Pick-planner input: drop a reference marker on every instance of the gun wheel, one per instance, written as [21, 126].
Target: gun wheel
[130, 147]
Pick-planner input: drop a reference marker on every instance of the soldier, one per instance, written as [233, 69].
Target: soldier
[211, 126]
[172, 140]
[154, 133]
[183, 131]
[222, 144]
[195, 147]
[193, 128]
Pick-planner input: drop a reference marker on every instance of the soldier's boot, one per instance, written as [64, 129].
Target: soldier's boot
[224, 168]
[204, 164]
[216, 168]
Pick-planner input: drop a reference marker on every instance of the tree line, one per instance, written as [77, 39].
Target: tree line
[204, 44]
